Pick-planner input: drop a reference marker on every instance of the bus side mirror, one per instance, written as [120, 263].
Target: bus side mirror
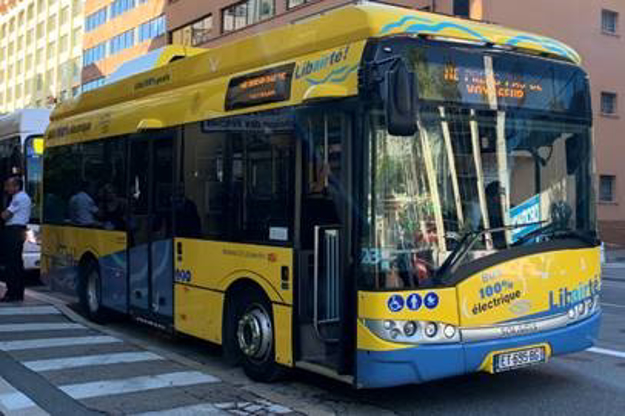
[401, 101]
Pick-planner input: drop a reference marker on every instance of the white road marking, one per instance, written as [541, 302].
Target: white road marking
[136, 384]
[29, 310]
[197, 409]
[39, 327]
[604, 351]
[613, 305]
[55, 342]
[102, 359]
[11, 400]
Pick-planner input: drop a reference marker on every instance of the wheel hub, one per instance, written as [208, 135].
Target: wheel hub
[254, 333]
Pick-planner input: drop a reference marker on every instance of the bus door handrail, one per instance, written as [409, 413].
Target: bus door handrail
[336, 285]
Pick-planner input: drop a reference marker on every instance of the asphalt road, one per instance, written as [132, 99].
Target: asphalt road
[587, 383]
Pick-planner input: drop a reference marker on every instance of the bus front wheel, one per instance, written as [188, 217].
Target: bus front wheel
[254, 336]
[90, 293]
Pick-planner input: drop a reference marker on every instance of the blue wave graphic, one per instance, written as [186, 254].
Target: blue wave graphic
[403, 21]
[445, 25]
[550, 45]
[345, 75]
[426, 25]
[332, 76]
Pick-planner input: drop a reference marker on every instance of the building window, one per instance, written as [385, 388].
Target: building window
[608, 103]
[152, 29]
[606, 188]
[121, 6]
[63, 44]
[246, 13]
[609, 21]
[64, 17]
[462, 8]
[294, 3]
[93, 84]
[51, 23]
[123, 41]
[95, 19]
[193, 34]
[97, 53]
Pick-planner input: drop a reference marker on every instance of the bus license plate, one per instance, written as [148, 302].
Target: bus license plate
[511, 360]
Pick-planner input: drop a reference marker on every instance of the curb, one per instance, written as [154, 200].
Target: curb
[242, 383]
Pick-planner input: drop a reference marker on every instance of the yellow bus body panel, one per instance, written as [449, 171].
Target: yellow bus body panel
[212, 267]
[65, 246]
[198, 312]
[532, 286]
[326, 49]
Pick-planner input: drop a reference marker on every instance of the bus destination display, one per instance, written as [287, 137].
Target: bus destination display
[261, 87]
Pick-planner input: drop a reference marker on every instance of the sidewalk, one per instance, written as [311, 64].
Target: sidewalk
[54, 362]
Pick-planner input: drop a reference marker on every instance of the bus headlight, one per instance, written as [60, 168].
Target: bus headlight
[431, 329]
[583, 309]
[450, 331]
[572, 313]
[410, 328]
[33, 237]
[413, 332]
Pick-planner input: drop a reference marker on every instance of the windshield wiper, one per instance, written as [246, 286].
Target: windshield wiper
[553, 232]
[467, 241]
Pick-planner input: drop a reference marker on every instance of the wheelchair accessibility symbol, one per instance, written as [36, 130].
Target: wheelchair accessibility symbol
[395, 303]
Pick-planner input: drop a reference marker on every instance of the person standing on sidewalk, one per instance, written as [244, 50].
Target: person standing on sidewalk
[16, 217]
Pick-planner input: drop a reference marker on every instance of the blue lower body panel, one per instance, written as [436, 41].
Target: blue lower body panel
[424, 363]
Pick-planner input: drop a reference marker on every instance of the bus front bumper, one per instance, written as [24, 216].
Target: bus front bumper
[425, 363]
[31, 260]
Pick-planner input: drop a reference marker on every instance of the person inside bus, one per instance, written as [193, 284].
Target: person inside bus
[82, 209]
[112, 208]
[16, 217]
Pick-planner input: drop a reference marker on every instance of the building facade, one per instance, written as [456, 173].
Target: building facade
[117, 31]
[40, 52]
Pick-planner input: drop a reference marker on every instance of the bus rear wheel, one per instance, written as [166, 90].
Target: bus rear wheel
[90, 293]
[254, 337]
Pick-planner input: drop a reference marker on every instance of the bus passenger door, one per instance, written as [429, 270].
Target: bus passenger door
[323, 294]
[150, 230]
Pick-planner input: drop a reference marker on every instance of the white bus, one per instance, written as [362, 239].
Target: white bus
[21, 153]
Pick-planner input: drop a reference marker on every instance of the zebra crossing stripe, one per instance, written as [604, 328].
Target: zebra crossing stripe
[137, 384]
[39, 327]
[55, 342]
[102, 359]
[18, 401]
[28, 310]
[12, 400]
[193, 410]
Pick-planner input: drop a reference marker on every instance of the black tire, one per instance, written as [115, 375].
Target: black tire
[90, 293]
[246, 309]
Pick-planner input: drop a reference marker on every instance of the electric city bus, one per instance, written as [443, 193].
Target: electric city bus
[21, 153]
[379, 195]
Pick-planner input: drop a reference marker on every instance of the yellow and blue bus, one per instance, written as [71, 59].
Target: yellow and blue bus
[380, 195]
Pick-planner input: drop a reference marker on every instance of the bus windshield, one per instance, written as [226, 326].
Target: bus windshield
[33, 174]
[473, 178]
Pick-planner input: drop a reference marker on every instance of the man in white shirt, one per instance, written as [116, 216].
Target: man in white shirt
[16, 217]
